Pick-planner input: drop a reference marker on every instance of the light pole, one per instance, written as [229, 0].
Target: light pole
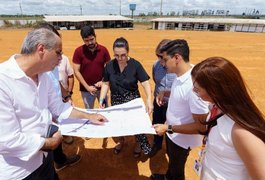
[161, 6]
[20, 6]
[120, 7]
[81, 9]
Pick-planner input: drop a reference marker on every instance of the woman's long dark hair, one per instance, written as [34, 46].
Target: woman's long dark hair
[225, 85]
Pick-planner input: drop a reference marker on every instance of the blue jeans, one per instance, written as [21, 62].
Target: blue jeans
[89, 99]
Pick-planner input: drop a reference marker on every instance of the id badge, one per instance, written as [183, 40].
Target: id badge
[197, 167]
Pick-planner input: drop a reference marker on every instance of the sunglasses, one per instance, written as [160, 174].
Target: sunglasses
[159, 56]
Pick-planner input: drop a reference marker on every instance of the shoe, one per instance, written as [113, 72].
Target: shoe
[136, 154]
[68, 139]
[137, 151]
[70, 161]
[154, 151]
[157, 176]
[117, 149]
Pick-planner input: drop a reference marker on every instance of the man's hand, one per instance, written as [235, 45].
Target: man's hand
[160, 129]
[160, 98]
[97, 119]
[52, 142]
[92, 90]
[98, 84]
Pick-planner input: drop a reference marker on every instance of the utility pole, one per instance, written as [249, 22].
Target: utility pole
[161, 6]
[120, 7]
[20, 6]
[81, 10]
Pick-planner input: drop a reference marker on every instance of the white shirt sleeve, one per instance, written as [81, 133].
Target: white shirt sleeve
[57, 107]
[197, 105]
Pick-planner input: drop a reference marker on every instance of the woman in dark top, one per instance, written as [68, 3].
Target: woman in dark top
[121, 76]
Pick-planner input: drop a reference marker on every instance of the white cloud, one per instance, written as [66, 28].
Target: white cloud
[96, 7]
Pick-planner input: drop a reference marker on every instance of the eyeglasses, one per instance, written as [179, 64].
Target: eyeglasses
[159, 56]
[122, 56]
[59, 53]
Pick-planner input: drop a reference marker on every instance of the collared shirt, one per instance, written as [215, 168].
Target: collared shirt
[183, 102]
[91, 63]
[25, 115]
[65, 70]
[163, 80]
[54, 75]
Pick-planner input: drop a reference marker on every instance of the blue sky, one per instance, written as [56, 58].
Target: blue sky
[105, 7]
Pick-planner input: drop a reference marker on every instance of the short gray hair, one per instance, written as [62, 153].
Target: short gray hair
[36, 37]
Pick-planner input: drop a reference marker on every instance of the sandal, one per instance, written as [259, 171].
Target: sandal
[117, 149]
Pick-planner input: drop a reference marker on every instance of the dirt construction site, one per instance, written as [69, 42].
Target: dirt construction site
[245, 50]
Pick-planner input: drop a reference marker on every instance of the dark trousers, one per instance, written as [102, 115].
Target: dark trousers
[159, 117]
[177, 160]
[58, 155]
[46, 171]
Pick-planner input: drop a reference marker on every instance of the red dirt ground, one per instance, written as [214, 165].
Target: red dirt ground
[246, 50]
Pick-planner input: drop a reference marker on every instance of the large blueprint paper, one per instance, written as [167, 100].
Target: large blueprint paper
[124, 119]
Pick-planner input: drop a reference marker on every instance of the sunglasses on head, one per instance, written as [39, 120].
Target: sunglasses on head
[159, 56]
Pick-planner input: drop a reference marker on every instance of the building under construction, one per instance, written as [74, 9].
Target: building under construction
[210, 24]
[75, 22]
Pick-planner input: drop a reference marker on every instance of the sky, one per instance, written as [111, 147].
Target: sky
[106, 7]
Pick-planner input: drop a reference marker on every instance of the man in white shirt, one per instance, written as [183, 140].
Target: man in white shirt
[27, 104]
[66, 74]
[185, 110]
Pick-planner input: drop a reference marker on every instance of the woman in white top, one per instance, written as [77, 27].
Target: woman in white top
[235, 146]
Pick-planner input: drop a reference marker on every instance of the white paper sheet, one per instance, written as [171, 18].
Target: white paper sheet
[124, 119]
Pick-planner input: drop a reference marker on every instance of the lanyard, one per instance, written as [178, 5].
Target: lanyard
[212, 122]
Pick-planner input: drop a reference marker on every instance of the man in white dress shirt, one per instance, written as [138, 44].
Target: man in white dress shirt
[185, 110]
[27, 104]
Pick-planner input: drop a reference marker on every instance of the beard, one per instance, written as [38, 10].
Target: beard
[91, 46]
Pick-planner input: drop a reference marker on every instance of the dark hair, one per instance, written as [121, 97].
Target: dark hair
[160, 45]
[47, 26]
[121, 43]
[87, 31]
[178, 46]
[225, 85]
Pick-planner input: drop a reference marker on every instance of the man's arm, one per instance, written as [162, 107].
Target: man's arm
[192, 128]
[160, 97]
[80, 78]
[52, 142]
[93, 117]
[71, 81]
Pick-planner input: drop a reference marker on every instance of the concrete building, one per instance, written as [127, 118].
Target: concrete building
[75, 22]
[210, 24]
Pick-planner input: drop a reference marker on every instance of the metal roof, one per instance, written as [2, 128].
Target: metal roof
[85, 18]
[211, 20]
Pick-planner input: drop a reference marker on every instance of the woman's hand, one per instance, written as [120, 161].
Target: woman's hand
[149, 107]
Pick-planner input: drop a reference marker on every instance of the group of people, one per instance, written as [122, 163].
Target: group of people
[205, 104]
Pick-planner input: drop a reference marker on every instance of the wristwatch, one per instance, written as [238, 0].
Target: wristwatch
[170, 129]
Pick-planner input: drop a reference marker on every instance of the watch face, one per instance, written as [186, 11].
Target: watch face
[169, 129]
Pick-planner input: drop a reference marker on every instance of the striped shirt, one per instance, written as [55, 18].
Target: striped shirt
[163, 80]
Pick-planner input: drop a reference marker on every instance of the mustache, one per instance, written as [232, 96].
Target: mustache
[91, 45]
